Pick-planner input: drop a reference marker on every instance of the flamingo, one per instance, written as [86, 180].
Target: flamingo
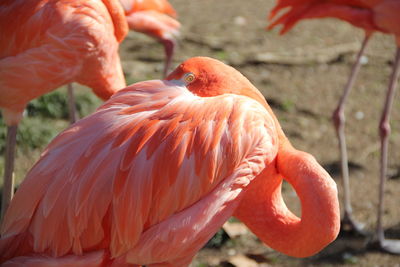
[46, 44]
[151, 175]
[372, 16]
[156, 18]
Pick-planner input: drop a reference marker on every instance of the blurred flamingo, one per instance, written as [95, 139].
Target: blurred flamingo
[155, 18]
[370, 15]
[46, 44]
[151, 175]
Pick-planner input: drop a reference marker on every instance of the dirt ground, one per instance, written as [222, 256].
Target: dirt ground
[301, 75]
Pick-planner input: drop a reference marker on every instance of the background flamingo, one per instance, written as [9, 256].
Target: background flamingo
[157, 170]
[371, 15]
[155, 18]
[46, 44]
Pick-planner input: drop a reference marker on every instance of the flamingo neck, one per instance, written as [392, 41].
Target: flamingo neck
[265, 213]
[117, 14]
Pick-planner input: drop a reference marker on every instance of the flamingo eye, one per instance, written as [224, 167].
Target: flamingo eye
[188, 77]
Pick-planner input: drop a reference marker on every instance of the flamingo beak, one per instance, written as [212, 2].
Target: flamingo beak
[169, 48]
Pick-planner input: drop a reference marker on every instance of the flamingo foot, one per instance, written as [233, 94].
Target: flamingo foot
[391, 246]
[350, 227]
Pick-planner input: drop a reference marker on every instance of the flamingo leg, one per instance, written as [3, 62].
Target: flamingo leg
[8, 184]
[73, 115]
[348, 223]
[169, 48]
[391, 246]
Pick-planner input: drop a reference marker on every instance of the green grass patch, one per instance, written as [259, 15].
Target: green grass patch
[55, 104]
[221, 55]
[44, 119]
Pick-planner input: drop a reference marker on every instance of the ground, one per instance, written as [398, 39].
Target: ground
[301, 74]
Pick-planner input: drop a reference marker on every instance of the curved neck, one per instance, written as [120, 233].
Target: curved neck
[263, 210]
[117, 14]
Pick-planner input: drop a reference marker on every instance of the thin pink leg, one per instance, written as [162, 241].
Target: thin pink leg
[348, 224]
[8, 185]
[391, 246]
[73, 115]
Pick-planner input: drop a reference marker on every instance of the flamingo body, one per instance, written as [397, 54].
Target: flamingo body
[45, 44]
[370, 15]
[155, 172]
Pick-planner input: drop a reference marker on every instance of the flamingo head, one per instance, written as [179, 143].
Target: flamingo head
[157, 25]
[208, 77]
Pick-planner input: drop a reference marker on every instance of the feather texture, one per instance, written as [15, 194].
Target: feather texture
[357, 12]
[154, 173]
[46, 44]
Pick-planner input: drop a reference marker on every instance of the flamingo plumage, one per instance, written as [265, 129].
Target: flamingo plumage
[151, 175]
[371, 16]
[157, 19]
[45, 44]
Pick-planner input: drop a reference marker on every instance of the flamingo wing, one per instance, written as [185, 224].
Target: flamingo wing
[386, 17]
[154, 161]
[46, 67]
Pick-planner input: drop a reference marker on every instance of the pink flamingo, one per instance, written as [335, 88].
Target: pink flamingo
[151, 175]
[370, 15]
[45, 44]
[155, 18]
